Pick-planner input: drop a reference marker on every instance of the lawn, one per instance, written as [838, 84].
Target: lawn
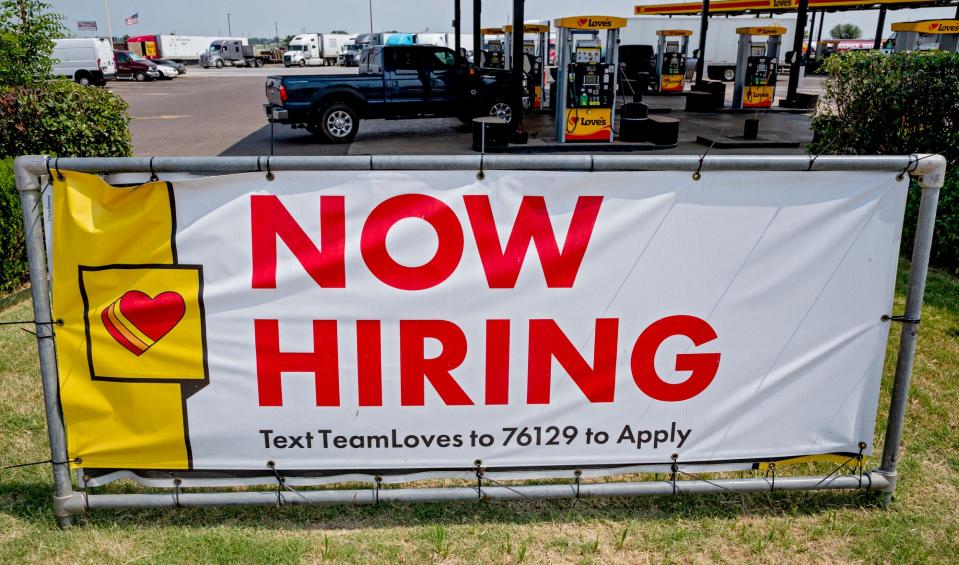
[922, 525]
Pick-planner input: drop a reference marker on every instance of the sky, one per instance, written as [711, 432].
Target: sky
[257, 17]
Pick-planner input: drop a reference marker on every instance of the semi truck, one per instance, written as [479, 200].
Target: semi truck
[721, 38]
[233, 52]
[179, 48]
[314, 49]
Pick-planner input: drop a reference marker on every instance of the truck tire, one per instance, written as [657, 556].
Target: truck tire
[302, 62]
[219, 63]
[338, 123]
[729, 74]
[257, 63]
[139, 76]
[287, 65]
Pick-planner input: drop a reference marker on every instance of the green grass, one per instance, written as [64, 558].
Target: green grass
[922, 525]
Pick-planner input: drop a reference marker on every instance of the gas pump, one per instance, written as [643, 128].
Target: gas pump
[493, 54]
[537, 50]
[671, 57]
[586, 78]
[927, 34]
[757, 66]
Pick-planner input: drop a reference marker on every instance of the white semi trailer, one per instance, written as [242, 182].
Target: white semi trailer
[721, 38]
[315, 49]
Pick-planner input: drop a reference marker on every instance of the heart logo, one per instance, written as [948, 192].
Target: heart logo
[137, 321]
[933, 26]
[581, 21]
[573, 120]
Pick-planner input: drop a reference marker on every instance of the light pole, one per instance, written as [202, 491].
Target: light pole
[371, 17]
[276, 31]
[106, 8]
[229, 27]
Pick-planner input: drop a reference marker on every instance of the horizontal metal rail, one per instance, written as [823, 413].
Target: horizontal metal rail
[81, 502]
[598, 163]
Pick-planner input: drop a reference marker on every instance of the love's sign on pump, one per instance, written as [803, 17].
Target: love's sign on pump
[419, 321]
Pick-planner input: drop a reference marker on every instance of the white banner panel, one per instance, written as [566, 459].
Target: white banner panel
[416, 321]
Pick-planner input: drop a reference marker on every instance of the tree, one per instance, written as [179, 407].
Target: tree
[340, 31]
[845, 31]
[27, 31]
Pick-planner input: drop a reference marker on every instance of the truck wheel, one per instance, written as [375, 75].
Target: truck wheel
[287, 65]
[501, 108]
[338, 124]
[219, 63]
[302, 62]
[257, 63]
[729, 74]
[139, 76]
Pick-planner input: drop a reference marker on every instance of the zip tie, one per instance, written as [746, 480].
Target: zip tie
[15, 322]
[578, 474]
[675, 469]
[153, 173]
[269, 171]
[812, 161]
[45, 461]
[704, 479]
[280, 482]
[772, 468]
[377, 481]
[479, 478]
[258, 169]
[696, 174]
[862, 447]
[901, 319]
[56, 165]
[176, 491]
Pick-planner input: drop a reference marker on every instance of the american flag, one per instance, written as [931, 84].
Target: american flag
[134, 19]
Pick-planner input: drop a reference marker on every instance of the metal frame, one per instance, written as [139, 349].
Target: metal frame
[30, 170]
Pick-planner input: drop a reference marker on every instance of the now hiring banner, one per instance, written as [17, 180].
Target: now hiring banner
[421, 321]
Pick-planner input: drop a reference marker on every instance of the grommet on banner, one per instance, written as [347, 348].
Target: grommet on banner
[913, 163]
[377, 483]
[280, 482]
[696, 174]
[578, 474]
[153, 173]
[862, 448]
[480, 175]
[478, 464]
[269, 171]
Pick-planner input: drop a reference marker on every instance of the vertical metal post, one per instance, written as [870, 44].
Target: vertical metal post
[796, 66]
[660, 47]
[519, 19]
[612, 53]
[822, 18]
[742, 56]
[562, 81]
[703, 25]
[931, 178]
[877, 43]
[29, 188]
[477, 34]
[457, 16]
[812, 34]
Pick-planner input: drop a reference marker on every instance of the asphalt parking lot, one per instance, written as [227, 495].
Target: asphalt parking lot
[219, 112]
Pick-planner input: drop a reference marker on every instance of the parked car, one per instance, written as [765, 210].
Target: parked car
[86, 61]
[394, 82]
[179, 67]
[131, 65]
[167, 72]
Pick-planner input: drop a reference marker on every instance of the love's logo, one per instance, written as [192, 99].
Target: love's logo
[137, 322]
[582, 21]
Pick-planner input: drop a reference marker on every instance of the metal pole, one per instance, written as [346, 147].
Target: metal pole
[822, 19]
[519, 17]
[29, 187]
[930, 172]
[796, 66]
[456, 25]
[877, 43]
[229, 25]
[812, 33]
[371, 18]
[477, 35]
[703, 26]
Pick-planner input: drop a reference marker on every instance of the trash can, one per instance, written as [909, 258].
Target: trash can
[490, 133]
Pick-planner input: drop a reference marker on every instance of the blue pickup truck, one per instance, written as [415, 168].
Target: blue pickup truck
[395, 82]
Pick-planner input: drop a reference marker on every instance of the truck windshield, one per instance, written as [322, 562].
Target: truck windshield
[295, 48]
[215, 48]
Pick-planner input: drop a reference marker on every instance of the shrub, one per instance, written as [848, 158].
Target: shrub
[62, 118]
[13, 262]
[897, 104]
[27, 32]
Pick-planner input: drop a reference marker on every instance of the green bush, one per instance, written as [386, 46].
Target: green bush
[13, 262]
[896, 105]
[62, 118]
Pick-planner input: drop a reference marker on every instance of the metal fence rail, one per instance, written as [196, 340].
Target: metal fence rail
[29, 170]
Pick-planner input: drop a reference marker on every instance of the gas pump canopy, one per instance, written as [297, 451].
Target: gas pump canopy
[931, 27]
[674, 32]
[762, 30]
[528, 28]
[743, 6]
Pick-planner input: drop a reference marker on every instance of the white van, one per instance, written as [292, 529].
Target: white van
[86, 61]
